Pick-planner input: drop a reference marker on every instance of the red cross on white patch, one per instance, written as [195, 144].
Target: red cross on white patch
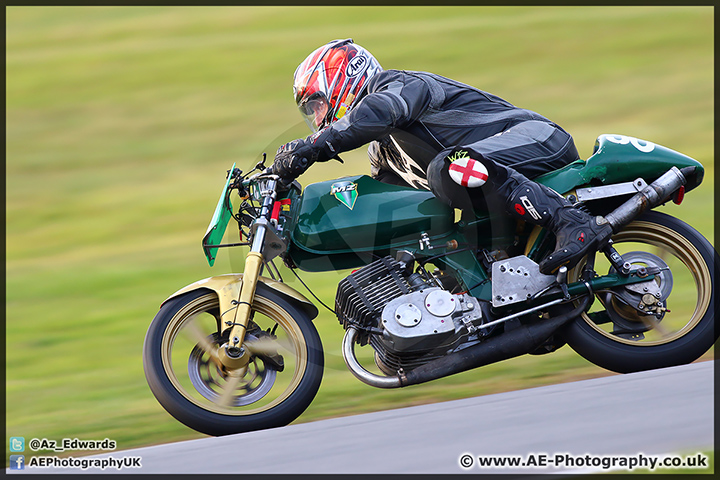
[468, 172]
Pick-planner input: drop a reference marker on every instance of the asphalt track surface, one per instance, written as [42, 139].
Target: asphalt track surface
[650, 413]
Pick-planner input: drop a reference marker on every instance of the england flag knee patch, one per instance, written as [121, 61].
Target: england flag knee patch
[466, 171]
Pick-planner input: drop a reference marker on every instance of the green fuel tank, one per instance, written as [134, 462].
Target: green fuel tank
[343, 223]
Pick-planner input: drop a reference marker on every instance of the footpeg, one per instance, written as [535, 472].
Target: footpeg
[562, 281]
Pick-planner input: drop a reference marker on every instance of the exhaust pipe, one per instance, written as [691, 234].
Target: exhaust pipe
[348, 351]
[514, 343]
[650, 197]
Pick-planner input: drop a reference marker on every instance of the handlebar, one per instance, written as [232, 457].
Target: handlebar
[264, 174]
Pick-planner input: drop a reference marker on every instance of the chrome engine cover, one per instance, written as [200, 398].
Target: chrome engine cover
[426, 319]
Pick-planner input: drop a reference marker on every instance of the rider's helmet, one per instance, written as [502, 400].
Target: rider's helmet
[327, 82]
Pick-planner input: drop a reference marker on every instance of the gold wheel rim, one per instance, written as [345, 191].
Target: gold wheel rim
[682, 249]
[262, 306]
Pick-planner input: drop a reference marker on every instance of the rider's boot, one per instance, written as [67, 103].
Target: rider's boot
[576, 231]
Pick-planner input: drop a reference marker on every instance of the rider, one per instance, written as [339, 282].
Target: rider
[431, 132]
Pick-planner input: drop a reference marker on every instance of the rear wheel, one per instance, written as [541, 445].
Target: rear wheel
[617, 336]
[276, 385]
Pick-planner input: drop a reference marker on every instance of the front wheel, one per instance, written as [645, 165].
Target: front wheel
[276, 385]
[614, 334]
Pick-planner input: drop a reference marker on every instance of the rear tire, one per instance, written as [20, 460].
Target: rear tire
[192, 389]
[686, 331]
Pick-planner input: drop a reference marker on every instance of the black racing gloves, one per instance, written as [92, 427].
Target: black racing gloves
[293, 158]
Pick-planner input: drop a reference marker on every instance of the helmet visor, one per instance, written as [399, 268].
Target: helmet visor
[314, 109]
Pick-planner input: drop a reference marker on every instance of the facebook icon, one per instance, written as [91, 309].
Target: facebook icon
[17, 462]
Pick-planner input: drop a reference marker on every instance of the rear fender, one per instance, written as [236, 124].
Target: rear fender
[227, 288]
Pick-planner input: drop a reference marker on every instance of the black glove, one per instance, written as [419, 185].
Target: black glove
[293, 158]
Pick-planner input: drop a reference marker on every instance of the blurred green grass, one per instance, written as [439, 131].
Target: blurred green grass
[121, 121]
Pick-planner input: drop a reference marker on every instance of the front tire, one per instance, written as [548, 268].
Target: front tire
[625, 341]
[277, 385]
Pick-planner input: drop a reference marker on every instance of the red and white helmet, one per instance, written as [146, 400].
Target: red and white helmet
[328, 80]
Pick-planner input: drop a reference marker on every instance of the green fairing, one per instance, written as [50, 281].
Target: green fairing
[618, 158]
[219, 222]
[348, 222]
[327, 234]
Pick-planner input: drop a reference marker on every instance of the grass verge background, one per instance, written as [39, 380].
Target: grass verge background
[121, 122]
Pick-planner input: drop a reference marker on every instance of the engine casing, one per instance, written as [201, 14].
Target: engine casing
[419, 321]
[407, 320]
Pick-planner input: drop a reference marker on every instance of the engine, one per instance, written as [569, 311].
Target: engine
[407, 318]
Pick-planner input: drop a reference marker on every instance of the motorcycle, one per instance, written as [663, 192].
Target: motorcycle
[431, 295]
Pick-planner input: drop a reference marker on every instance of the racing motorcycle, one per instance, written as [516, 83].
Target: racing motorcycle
[430, 293]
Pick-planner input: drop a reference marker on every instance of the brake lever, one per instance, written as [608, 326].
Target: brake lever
[261, 164]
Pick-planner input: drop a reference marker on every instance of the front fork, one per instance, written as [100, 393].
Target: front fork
[232, 355]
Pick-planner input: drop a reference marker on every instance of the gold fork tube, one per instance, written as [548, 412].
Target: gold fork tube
[253, 264]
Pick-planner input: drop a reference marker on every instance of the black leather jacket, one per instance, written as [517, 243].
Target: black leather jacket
[411, 116]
